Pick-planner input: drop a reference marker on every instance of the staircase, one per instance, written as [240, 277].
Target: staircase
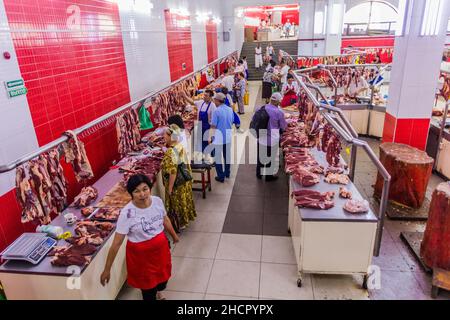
[248, 49]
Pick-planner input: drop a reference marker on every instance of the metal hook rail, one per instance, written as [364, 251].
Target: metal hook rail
[348, 133]
[49, 146]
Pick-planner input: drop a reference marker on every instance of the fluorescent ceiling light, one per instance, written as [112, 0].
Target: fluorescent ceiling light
[217, 20]
[432, 17]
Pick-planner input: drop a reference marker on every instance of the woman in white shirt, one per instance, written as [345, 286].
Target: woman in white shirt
[289, 91]
[143, 221]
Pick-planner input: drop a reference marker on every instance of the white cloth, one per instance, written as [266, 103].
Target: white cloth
[228, 82]
[245, 65]
[286, 87]
[284, 72]
[202, 106]
[142, 224]
[258, 57]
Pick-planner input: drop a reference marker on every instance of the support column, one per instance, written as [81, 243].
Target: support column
[414, 77]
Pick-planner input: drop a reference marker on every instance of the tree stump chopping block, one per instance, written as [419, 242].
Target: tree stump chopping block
[435, 247]
[410, 170]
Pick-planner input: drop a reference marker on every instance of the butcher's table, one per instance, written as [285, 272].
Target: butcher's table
[331, 241]
[25, 281]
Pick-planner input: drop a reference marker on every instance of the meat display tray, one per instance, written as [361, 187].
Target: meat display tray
[337, 213]
[45, 267]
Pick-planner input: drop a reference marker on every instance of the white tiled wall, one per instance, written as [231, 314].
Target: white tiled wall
[17, 136]
[415, 69]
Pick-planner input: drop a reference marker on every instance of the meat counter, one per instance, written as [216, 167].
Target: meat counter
[331, 241]
[25, 281]
[365, 119]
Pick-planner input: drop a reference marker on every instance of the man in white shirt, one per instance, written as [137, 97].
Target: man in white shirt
[206, 108]
[284, 71]
[228, 80]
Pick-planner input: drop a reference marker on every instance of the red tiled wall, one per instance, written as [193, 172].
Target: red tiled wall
[211, 41]
[72, 78]
[179, 43]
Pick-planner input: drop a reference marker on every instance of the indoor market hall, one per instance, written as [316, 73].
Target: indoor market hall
[212, 150]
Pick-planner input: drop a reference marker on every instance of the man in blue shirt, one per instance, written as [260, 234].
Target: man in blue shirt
[221, 123]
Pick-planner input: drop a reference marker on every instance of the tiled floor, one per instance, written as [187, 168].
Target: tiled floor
[239, 248]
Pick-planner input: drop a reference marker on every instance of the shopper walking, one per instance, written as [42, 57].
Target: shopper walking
[289, 91]
[245, 64]
[268, 81]
[205, 108]
[240, 89]
[222, 123]
[268, 140]
[179, 199]
[143, 222]
[258, 57]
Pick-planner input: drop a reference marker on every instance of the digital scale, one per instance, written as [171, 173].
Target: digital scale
[31, 247]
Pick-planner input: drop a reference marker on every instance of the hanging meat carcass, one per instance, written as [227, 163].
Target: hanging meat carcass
[26, 196]
[75, 153]
[127, 127]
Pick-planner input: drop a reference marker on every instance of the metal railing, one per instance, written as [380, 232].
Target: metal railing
[350, 29]
[49, 146]
[348, 133]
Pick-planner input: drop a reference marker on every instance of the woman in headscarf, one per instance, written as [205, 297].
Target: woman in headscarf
[178, 199]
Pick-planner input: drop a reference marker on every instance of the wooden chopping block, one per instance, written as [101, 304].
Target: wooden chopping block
[410, 170]
[435, 247]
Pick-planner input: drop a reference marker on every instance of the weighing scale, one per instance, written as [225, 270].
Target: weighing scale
[31, 247]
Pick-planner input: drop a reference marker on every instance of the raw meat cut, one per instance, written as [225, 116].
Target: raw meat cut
[110, 214]
[313, 199]
[334, 178]
[86, 197]
[87, 211]
[304, 177]
[356, 206]
[344, 193]
[64, 260]
[75, 153]
[117, 197]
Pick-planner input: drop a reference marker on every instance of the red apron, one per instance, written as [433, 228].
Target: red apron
[148, 263]
[288, 99]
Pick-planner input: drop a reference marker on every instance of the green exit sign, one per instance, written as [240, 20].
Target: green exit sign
[17, 92]
[14, 83]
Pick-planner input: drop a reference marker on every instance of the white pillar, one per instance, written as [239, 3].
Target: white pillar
[414, 77]
[321, 24]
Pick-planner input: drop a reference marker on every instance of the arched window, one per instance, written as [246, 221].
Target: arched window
[370, 18]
